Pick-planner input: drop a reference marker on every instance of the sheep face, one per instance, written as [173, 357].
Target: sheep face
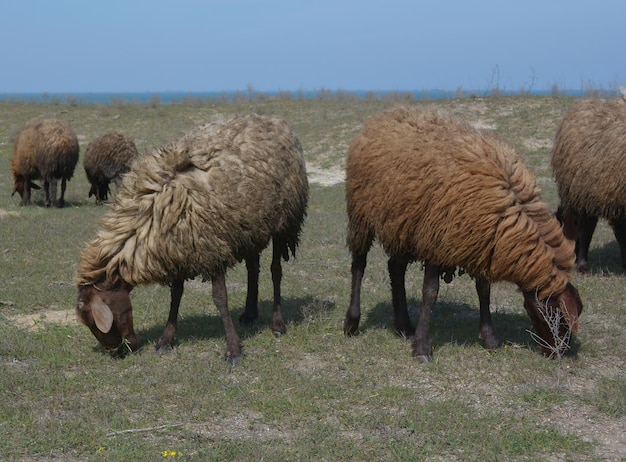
[109, 315]
[22, 186]
[554, 318]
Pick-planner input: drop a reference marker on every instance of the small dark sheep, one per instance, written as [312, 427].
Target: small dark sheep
[589, 165]
[107, 158]
[196, 207]
[432, 189]
[47, 150]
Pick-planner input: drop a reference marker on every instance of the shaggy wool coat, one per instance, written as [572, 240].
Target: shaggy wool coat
[589, 159]
[441, 191]
[202, 203]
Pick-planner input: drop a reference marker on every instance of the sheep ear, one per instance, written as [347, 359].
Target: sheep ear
[102, 314]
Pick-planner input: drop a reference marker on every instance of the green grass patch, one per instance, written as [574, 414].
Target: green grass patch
[313, 393]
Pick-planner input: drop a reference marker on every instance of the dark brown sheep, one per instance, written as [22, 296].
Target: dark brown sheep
[107, 158]
[195, 208]
[432, 189]
[47, 150]
[589, 165]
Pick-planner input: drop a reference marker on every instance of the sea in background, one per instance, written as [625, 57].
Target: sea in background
[174, 97]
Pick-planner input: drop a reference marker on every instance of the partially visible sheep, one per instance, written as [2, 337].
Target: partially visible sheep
[589, 164]
[195, 208]
[47, 150]
[433, 189]
[106, 159]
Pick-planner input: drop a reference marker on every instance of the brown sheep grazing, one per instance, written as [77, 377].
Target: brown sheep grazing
[196, 207]
[589, 165]
[107, 158]
[47, 150]
[436, 190]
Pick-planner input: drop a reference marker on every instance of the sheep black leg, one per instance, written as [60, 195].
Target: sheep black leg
[26, 198]
[353, 315]
[586, 227]
[619, 230]
[46, 188]
[397, 272]
[278, 324]
[422, 350]
[251, 311]
[61, 202]
[486, 331]
[220, 298]
[168, 338]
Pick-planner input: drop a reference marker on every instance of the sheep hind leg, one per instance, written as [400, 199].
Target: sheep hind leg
[220, 298]
[251, 311]
[61, 202]
[168, 338]
[486, 331]
[397, 272]
[353, 315]
[619, 230]
[586, 227]
[278, 323]
[422, 350]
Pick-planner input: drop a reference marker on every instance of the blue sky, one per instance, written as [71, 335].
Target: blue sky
[194, 45]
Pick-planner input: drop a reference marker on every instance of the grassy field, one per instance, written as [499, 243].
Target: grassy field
[313, 394]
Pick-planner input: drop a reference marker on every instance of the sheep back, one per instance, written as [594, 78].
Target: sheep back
[45, 150]
[440, 191]
[589, 159]
[202, 203]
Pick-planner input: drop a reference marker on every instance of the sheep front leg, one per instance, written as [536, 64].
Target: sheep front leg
[422, 350]
[353, 315]
[168, 338]
[486, 331]
[220, 298]
[46, 188]
[397, 272]
[278, 324]
[251, 311]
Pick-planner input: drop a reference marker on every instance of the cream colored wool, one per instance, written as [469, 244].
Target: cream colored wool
[441, 191]
[589, 158]
[201, 204]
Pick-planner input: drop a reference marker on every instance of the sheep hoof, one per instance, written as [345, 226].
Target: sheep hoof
[277, 333]
[421, 359]
[164, 349]
[232, 361]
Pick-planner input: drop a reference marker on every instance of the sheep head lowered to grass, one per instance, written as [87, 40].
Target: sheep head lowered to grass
[195, 207]
[432, 189]
[47, 150]
[589, 164]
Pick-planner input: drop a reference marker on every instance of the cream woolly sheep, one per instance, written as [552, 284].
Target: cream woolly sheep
[107, 158]
[436, 190]
[47, 150]
[589, 164]
[195, 208]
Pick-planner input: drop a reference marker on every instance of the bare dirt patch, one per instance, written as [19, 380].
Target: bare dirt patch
[5, 214]
[39, 320]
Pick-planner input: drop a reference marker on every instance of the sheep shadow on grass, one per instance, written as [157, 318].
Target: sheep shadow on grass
[210, 326]
[605, 259]
[457, 324]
